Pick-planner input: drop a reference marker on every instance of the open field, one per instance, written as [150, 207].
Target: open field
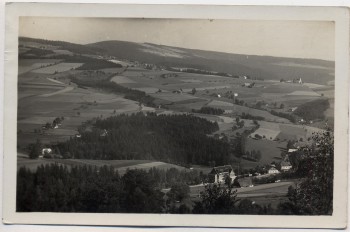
[61, 67]
[268, 133]
[304, 93]
[288, 132]
[237, 110]
[285, 88]
[189, 106]
[147, 166]
[147, 90]
[63, 52]
[272, 193]
[270, 150]
[293, 64]
[36, 90]
[66, 89]
[283, 132]
[26, 65]
[173, 97]
[216, 103]
[120, 165]
[76, 105]
[121, 80]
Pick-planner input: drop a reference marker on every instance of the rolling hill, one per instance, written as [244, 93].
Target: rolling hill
[267, 67]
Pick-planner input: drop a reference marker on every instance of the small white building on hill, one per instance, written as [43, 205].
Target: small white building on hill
[273, 170]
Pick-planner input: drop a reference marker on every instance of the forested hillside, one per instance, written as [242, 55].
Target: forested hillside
[178, 139]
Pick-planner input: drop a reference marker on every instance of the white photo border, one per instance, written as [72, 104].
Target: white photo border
[339, 15]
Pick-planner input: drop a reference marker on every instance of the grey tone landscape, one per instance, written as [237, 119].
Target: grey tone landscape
[138, 127]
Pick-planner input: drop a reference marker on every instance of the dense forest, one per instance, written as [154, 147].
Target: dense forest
[209, 110]
[312, 110]
[252, 117]
[88, 62]
[180, 139]
[55, 188]
[288, 116]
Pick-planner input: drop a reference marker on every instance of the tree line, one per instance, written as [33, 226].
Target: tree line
[113, 87]
[209, 110]
[198, 71]
[55, 188]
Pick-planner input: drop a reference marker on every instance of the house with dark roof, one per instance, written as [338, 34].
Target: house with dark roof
[220, 173]
[286, 165]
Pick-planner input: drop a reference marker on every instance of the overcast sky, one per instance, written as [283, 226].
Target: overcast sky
[301, 39]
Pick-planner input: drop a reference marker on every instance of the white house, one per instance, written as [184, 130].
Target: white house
[273, 170]
[45, 151]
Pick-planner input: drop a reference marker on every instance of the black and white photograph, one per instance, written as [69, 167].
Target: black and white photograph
[175, 116]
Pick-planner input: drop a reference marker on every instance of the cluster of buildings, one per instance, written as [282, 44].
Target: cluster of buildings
[221, 173]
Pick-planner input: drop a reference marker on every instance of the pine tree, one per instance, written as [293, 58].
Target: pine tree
[35, 150]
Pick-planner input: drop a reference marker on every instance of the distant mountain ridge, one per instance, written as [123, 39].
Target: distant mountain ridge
[267, 67]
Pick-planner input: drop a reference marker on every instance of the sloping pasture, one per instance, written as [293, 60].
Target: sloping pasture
[61, 67]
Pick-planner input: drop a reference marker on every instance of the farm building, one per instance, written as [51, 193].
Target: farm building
[292, 109]
[104, 133]
[291, 150]
[285, 166]
[273, 170]
[218, 174]
[46, 151]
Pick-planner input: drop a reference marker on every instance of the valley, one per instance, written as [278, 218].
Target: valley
[134, 106]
